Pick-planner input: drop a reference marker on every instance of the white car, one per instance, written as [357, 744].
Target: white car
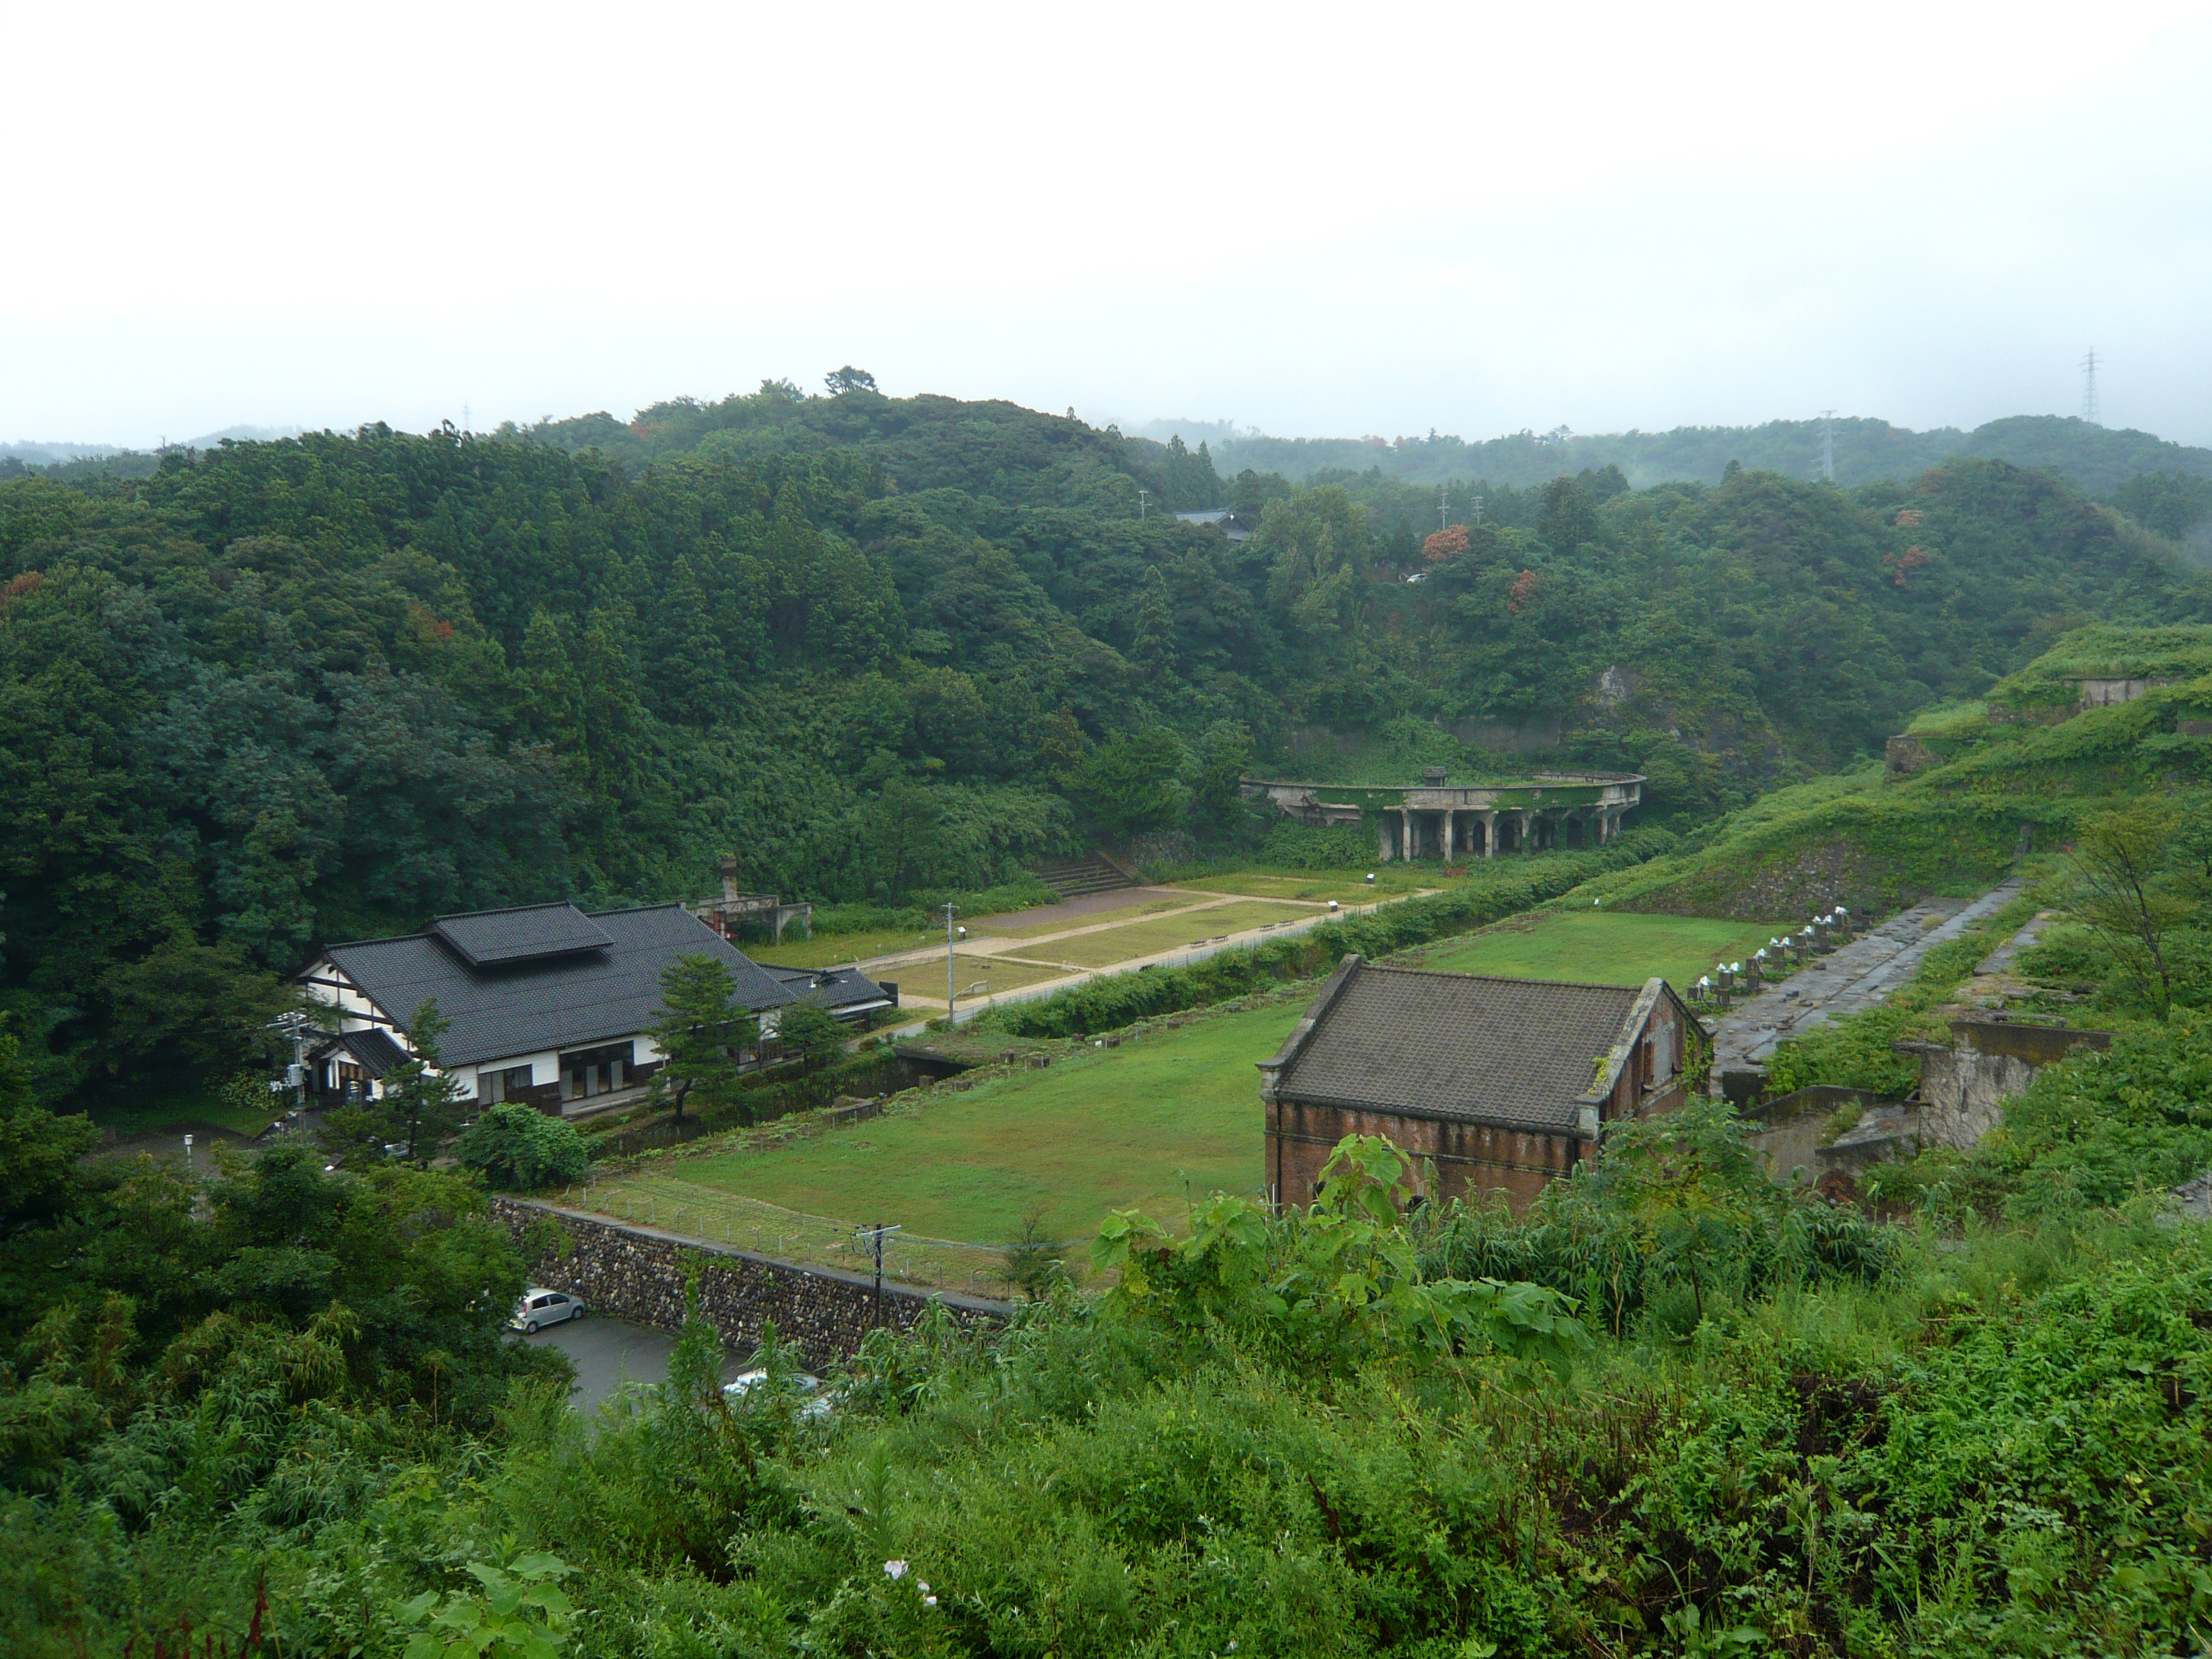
[540, 1306]
[820, 1405]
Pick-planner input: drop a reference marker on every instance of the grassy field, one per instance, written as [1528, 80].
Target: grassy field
[1007, 926]
[149, 1110]
[1143, 938]
[1347, 886]
[831, 948]
[1100, 1129]
[1601, 947]
[928, 978]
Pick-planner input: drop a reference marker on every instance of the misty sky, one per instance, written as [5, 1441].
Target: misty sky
[1314, 221]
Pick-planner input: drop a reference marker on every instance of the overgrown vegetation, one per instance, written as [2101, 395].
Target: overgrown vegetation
[1673, 1408]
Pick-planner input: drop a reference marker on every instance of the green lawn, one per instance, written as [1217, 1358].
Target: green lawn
[1099, 1129]
[1347, 886]
[1145, 938]
[1003, 925]
[928, 978]
[149, 1110]
[796, 951]
[1602, 947]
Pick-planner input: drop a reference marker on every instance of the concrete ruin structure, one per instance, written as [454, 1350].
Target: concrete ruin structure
[1445, 821]
[736, 906]
[1964, 1084]
[1500, 1085]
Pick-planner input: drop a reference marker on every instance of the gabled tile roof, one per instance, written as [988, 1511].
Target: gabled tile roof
[1520, 1053]
[833, 987]
[377, 1054]
[556, 1002]
[490, 938]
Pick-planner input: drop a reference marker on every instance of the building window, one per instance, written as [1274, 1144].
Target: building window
[590, 1072]
[1659, 1068]
[493, 1087]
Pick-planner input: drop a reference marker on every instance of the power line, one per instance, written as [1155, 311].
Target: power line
[2089, 412]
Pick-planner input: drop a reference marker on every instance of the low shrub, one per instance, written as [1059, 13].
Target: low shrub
[516, 1149]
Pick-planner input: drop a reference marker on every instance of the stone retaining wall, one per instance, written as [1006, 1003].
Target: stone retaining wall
[638, 1273]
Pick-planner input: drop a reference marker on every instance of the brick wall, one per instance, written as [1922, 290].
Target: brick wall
[638, 1273]
[1471, 1158]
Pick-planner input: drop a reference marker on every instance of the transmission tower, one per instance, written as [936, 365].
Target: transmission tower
[1828, 445]
[2089, 415]
[1444, 508]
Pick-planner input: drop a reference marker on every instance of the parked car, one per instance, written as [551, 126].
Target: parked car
[540, 1306]
[818, 1404]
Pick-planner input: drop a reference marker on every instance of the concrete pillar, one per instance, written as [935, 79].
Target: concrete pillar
[1489, 834]
[1523, 829]
[1406, 834]
[1451, 833]
[1383, 850]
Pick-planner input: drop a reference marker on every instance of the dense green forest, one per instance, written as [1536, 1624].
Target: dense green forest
[2098, 459]
[277, 693]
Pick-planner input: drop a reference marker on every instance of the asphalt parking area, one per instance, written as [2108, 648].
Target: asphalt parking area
[607, 1353]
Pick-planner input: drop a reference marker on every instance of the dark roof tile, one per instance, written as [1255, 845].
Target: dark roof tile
[1517, 1053]
[529, 932]
[552, 1002]
[833, 987]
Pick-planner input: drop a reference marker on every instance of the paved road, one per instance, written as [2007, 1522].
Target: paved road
[1855, 976]
[607, 1353]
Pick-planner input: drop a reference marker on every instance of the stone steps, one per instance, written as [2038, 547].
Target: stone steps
[1079, 877]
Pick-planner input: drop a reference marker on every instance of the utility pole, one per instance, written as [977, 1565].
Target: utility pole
[1478, 512]
[294, 1024]
[875, 1236]
[1828, 445]
[2089, 411]
[1143, 501]
[1444, 508]
[950, 973]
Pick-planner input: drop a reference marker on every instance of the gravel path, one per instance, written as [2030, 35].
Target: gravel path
[1853, 977]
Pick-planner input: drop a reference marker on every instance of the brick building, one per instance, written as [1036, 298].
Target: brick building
[1504, 1084]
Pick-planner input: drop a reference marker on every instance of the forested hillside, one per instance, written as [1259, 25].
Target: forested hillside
[2097, 459]
[284, 692]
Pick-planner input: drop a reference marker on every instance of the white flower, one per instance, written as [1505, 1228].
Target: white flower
[923, 1586]
[929, 1600]
[895, 1570]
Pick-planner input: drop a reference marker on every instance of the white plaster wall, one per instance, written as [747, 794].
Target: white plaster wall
[545, 1069]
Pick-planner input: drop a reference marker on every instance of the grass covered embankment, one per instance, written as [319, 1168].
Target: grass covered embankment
[1598, 947]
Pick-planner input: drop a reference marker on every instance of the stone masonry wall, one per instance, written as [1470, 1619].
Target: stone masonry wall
[638, 1273]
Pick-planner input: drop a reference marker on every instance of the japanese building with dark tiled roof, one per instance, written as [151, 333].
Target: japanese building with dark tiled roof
[545, 1004]
[1504, 1084]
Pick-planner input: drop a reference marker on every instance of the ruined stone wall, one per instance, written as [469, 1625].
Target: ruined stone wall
[1788, 1135]
[1965, 1084]
[1963, 1092]
[638, 1273]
